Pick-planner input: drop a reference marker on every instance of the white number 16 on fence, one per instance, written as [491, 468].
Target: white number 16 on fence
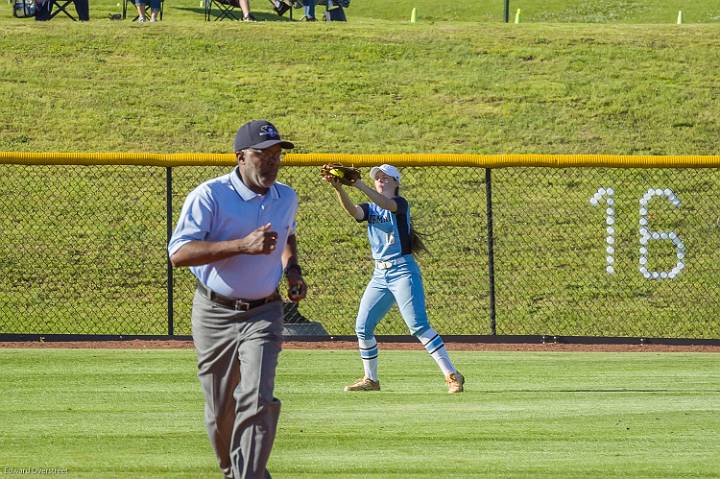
[646, 234]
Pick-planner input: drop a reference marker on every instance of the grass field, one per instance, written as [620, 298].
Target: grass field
[83, 248]
[575, 77]
[138, 414]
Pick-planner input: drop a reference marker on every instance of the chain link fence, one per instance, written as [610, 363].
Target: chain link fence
[575, 251]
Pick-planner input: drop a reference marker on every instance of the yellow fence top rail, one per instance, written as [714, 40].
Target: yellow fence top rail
[409, 159]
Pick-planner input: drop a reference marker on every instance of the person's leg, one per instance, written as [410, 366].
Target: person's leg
[154, 10]
[258, 411]
[406, 284]
[213, 332]
[142, 13]
[374, 305]
[42, 11]
[309, 9]
[82, 7]
[245, 7]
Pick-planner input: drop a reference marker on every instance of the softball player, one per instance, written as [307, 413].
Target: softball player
[396, 277]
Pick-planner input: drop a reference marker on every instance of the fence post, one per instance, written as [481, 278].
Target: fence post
[506, 11]
[491, 249]
[168, 213]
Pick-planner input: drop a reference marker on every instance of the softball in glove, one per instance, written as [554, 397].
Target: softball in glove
[347, 175]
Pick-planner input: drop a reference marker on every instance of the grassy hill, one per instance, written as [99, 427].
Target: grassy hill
[457, 81]
[545, 11]
[360, 87]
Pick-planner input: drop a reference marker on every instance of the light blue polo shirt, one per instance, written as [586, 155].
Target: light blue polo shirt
[225, 209]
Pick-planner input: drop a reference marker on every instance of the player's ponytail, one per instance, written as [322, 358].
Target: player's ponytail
[417, 245]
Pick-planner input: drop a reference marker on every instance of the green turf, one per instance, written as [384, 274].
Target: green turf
[84, 247]
[138, 414]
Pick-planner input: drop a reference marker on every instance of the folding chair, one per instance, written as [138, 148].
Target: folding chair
[334, 10]
[147, 5]
[49, 9]
[61, 6]
[226, 9]
[282, 6]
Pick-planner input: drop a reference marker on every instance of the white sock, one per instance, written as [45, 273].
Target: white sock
[443, 361]
[369, 355]
[435, 346]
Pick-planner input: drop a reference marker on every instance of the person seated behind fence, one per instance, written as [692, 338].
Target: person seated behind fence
[282, 6]
[309, 7]
[142, 13]
[308, 10]
[244, 6]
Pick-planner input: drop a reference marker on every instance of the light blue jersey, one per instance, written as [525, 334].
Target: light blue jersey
[388, 232]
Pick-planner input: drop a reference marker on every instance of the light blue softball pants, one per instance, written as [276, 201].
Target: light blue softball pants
[400, 283]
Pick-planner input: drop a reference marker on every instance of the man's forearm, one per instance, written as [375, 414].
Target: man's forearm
[290, 256]
[197, 253]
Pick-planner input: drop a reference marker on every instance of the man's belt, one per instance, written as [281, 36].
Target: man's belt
[238, 304]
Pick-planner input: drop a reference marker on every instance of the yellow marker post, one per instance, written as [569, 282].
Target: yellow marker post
[680, 17]
[517, 16]
[413, 16]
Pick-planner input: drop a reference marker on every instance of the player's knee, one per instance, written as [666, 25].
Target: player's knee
[363, 334]
[363, 329]
[419, 330]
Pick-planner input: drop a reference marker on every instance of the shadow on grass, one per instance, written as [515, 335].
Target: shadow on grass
[215, 15]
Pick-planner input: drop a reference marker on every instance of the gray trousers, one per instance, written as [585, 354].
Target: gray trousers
[237, 356]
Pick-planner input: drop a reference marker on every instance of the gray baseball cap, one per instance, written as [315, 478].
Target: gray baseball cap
[259, 134]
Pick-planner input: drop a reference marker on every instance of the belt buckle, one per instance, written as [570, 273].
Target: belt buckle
[241, 305]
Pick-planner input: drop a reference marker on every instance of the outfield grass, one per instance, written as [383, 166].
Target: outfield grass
[138, 414]
[84, 247]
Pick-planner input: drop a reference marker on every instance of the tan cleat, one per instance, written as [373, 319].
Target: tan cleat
[363, 384]
[455, 382]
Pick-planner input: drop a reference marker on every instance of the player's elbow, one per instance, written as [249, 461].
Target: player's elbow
[178, 259]
[358, 214]
[391, 205]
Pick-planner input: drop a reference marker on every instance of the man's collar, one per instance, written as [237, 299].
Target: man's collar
[246, 193]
